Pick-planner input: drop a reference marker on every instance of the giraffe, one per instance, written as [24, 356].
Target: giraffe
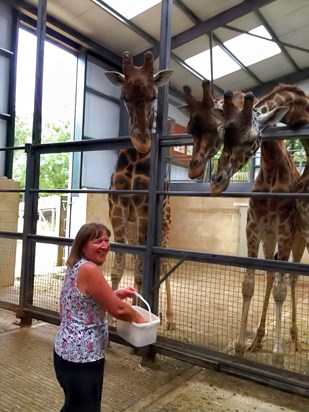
[204, 126]
[270, 221]
[129, 213]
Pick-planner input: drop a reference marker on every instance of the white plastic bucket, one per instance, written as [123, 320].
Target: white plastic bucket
[139, 334]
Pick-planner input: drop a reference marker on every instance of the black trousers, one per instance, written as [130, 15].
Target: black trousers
[81, 383]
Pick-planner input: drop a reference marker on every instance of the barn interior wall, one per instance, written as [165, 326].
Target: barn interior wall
[214, 225]
[197, 222]
[205, 224]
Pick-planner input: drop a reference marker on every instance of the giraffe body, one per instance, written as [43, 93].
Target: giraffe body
[274, 223]
[129, 212]
[277, 223]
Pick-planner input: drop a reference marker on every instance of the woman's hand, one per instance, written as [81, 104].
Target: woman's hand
[139, 318]
[124, 293]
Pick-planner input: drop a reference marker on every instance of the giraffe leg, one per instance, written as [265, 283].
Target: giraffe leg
[247, 293]
[298, 247]
[254, 234]
[257, 342]
[293, 328]
[170, 317]
[269, 244]
[119, 226]
[286, 244]
[138, 273]
[117, 269]
[279, 294]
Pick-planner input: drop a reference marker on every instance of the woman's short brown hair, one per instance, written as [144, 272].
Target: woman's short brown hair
[87, 232]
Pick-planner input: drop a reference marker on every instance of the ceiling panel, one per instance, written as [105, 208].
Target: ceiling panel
[288, 19]
[239, 80]
[300, 57]
[276, 66]
[67, 10]
[150, 21]
[193, 47]
[205, 9]
[246, 23]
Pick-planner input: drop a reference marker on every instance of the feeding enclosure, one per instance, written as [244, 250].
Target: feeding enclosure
[56, 167]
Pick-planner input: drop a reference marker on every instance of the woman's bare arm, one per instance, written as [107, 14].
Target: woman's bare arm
[91, 280]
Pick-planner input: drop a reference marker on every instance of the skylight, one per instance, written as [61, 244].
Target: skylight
[247, 49]
[131, 8]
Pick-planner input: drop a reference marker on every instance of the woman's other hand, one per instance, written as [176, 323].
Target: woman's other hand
[124, 293]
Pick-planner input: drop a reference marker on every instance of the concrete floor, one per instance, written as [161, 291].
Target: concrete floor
[28, 383]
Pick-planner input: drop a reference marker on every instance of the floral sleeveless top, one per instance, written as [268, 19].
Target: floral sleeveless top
[83, 332]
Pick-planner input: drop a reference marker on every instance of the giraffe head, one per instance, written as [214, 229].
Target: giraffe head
[241, 130]
[139, 90]
[203, 126]
[288, 95]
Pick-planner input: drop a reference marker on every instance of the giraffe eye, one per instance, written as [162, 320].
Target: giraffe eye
[124, 99]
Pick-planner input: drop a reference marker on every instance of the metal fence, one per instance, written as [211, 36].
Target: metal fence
[206, 287]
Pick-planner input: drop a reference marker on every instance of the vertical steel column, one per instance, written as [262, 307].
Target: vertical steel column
[157, 169]
[11, 98]
[210, 35]
[78, 133]
[33, 175]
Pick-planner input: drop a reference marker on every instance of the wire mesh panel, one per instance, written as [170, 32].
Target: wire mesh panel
[207, 303]
[49, 276]
[10, 270]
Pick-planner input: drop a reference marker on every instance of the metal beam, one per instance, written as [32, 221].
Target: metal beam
[217, 21]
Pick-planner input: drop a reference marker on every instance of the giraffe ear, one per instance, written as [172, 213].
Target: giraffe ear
[272, 117]
[162, 77]
[185, 109]
[117, 79]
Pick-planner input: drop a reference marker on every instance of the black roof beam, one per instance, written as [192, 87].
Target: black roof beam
[217, 21]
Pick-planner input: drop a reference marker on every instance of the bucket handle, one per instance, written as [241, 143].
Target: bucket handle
[146, 303]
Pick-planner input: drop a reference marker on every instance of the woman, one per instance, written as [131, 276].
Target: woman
[83, 333]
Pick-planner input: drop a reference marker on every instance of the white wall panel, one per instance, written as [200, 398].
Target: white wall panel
[5, 25]
[3, 127]
[4, 83]
[98, 81]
